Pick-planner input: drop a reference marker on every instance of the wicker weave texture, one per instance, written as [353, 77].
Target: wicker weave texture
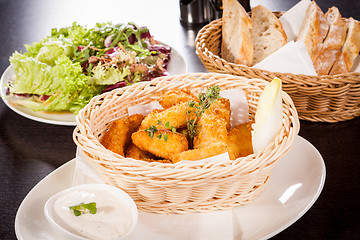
[182, 187]
[327, 98]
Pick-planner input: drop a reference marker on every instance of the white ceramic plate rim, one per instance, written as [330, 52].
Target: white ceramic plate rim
[303, 158]
[176, 66]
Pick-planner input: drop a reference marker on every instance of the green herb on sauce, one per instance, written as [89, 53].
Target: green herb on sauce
[83, 208]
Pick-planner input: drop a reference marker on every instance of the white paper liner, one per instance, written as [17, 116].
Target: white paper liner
[144, 109]
[292, 19]
[84, 171]
[238, 105]
[291, 58]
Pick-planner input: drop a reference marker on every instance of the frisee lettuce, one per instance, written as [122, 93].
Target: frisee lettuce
[109, 75]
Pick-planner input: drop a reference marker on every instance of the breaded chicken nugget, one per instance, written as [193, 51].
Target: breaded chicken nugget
[115, 138]
[132, 151]
[213, 124]
[239, 140]
[175, 143]
[211, 129]
[175, 96]
[221, 108]
[175, 115]
[134, 124]
[204, 152]
[119, 133]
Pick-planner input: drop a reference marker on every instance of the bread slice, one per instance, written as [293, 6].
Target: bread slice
[350, 49]
[236, 45]
[267, 33]
[331, 47]
[313, 29]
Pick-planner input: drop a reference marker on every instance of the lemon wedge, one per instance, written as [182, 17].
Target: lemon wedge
[268, 116]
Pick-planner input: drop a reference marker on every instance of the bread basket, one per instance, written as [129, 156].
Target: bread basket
[327, 98]
[183, 187]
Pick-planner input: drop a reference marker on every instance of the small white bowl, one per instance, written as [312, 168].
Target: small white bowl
[86, 193]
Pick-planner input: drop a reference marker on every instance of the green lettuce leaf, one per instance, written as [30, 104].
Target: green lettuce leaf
[65, 84]
[33, 49]
[31, 76]
[51, 51]
[75, 34]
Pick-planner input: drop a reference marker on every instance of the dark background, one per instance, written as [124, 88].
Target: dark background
[30, 150]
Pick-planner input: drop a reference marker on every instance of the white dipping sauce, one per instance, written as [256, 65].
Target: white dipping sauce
[112, 220]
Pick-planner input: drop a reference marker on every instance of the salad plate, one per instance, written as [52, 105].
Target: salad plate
[176, 65]
[294, 186]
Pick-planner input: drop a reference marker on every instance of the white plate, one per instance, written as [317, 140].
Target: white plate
[176, 65]
[294, 186]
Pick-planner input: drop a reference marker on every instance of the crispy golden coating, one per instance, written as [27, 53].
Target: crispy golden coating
[211, 150]
[213, 124]
[174, 144]
[135, 121]
[134, 124]
[115, 138]
[132, 151]
[210, 130]
[221, 108]
[119, 133]
[175, 115]
[159, 160]
[175, 96]
[239, 140]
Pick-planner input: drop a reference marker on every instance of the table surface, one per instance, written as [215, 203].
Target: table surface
[30, 150]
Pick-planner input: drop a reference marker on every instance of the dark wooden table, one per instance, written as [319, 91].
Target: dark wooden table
[30, 150]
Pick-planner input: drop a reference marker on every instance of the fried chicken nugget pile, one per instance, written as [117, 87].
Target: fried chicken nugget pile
[163, 135]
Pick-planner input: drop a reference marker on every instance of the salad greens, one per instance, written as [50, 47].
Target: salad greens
[63, 71]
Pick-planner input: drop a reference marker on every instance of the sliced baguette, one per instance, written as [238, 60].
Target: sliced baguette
[236, 46]
[313, 29]
[267, 33]
[331, 47]
[350, 49]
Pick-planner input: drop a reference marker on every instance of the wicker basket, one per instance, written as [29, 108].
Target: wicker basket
[182, 187]
[328, 98]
